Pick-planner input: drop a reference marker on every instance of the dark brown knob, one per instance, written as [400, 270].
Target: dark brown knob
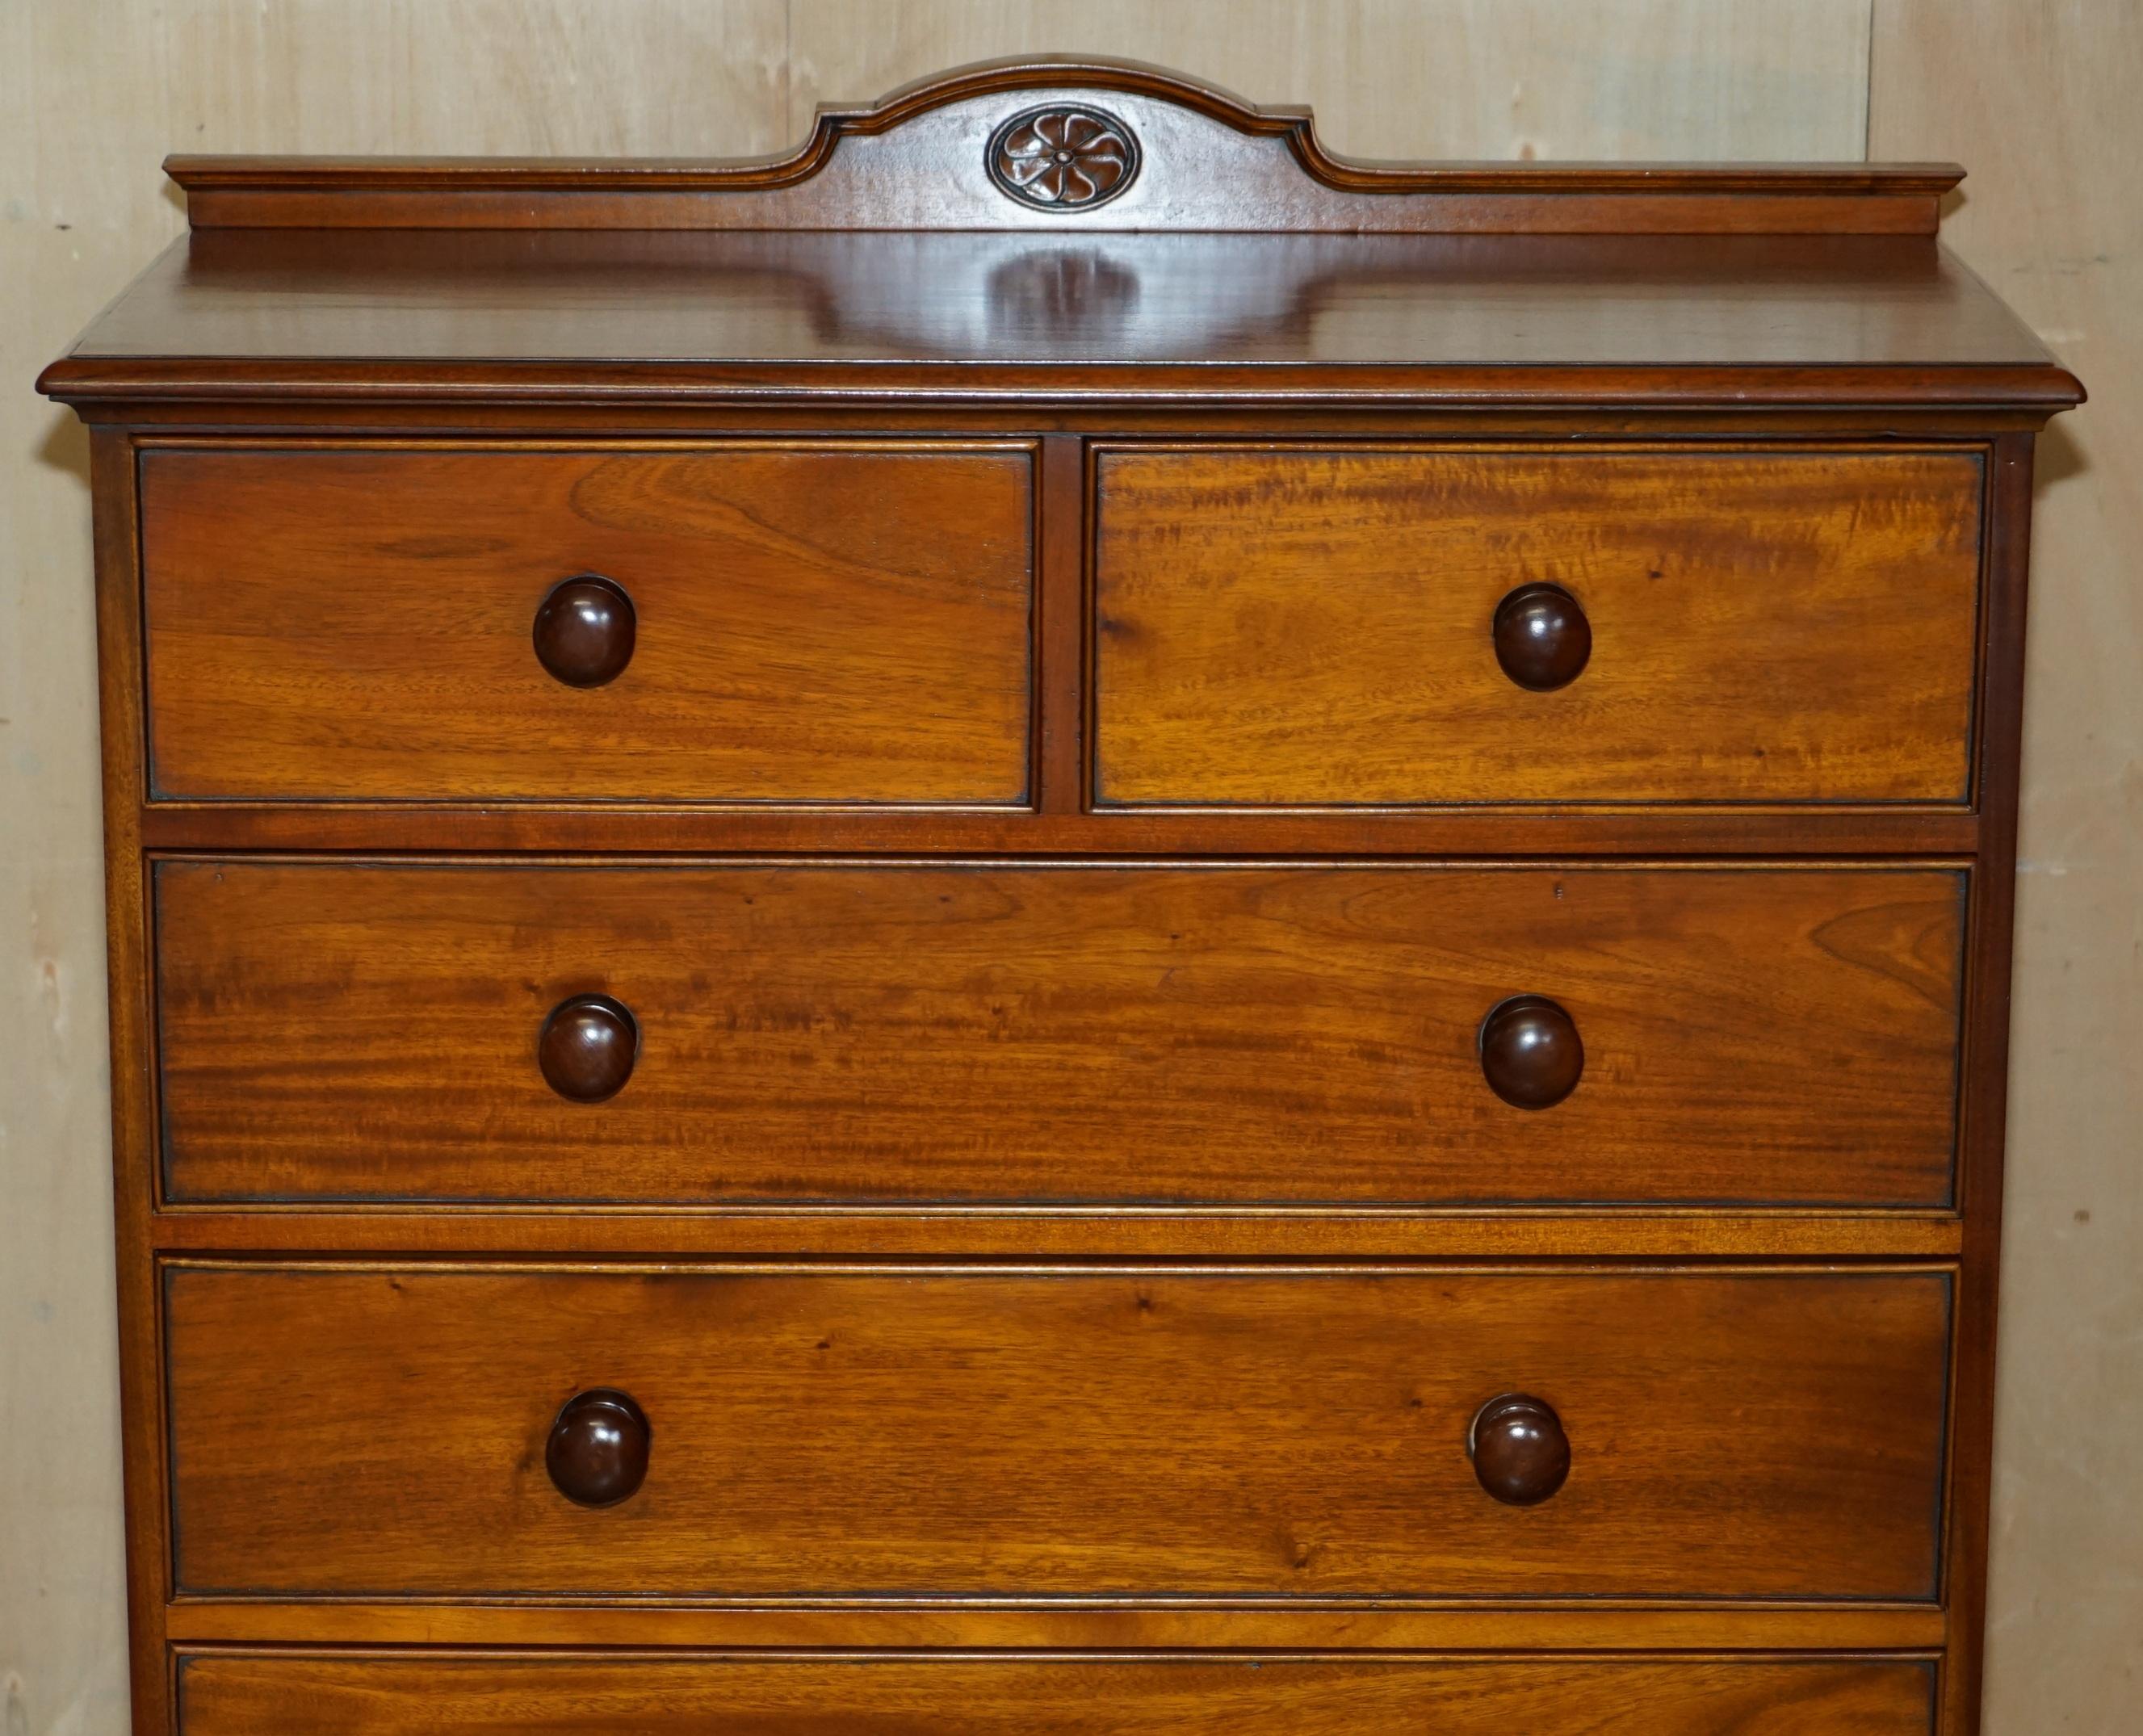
[1519, 1452]
[585, 629]
[1530, 1051]
[587, 1047]
[597, 1453]
[1543, 638]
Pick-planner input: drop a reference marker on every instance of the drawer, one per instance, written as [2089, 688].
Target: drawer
[278, 1694]
[884, 1033]
[1125, 1434]
[1319, 626]
[835, 623]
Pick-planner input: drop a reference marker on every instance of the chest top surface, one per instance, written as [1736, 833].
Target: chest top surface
[1059, 230]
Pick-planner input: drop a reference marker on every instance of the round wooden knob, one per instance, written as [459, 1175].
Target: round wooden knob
[1543, 638]
[585, 629]
[597, 1453]
[587, 1047]
[1519, 1452]
[1530, 1051]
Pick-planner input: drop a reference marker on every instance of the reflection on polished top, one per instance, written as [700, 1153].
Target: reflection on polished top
[1016, 297]
[1099, 229]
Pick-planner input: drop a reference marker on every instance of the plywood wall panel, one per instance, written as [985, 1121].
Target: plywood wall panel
[2039, 98]
[1419, 78]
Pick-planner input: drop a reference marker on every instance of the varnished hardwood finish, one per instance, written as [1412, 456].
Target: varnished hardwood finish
[1330, 1232]
[585, 630]
[1542, 639]
[1520, 1453]
[1531, 1053]
[869, 328]
[596, 1454]
[356, 623]
[1012, 1031]
[237, 1693]
[1136, 1433]
[1582, 1624]
[587, 1047]
[1316, 627]
[1049, 803]
[929, 157]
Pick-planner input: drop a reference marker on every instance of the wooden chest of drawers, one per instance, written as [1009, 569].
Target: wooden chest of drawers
[1061, 921]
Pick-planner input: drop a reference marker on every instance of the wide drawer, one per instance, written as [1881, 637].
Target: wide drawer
[893, 1033]
[240, 1694]
[833, 623]
[1318, 627]
[1125, 1434]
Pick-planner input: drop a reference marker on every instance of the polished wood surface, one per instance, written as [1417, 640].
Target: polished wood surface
[942, 154]
[1048, 324]
[585, 630]
[1520, 1453]
[1531, 1053]
[1109, 799]
[902, 1033]
[1543, 638]
[1585, 1625]
[356, 623]
[1316, 627]
[222, 1694]
[596, 1454]
[587, 1047]
[1134, 1433]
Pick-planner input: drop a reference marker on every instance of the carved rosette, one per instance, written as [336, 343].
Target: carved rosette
[1065, 157]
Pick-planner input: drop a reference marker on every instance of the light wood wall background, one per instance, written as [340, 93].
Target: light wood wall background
[2042, 99]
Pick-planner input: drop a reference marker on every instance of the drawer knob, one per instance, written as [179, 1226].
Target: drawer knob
[587, 1047]
[585, 629]
[1519, 1452]
[1543, 638]
[1530, 1051]
[598, 1454]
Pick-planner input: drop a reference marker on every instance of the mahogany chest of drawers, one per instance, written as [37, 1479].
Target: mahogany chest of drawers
[1060, 921]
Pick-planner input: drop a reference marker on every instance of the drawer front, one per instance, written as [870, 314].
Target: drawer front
[1122, 1434]
[833, 624]
[236, 1694]
[1318, 627]
[901, 1033]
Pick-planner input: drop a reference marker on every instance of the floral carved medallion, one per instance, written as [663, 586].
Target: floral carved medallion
[1064, 157]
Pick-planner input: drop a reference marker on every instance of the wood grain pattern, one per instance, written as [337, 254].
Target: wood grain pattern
[893, 321]
[1315, 626]
[1585, 1625]
[1186, 156]
[1122, 1435]
[357, 623]
[331, 1695]
[2036, 93]
[1014, 1031]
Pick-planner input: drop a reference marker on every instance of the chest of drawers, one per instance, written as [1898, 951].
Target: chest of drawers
[1059, 921]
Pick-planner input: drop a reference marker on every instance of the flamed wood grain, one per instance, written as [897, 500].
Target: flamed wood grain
[339, 1694]
[1123, 1434]
[1021, 1032]
[1313, 626]
[1580, 1624]
[837, 623]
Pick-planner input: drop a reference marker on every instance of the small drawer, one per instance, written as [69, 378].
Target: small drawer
[283, 1693]
[1126, 1434]
[887, 1034]
[1323, 627]
[746, 623]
